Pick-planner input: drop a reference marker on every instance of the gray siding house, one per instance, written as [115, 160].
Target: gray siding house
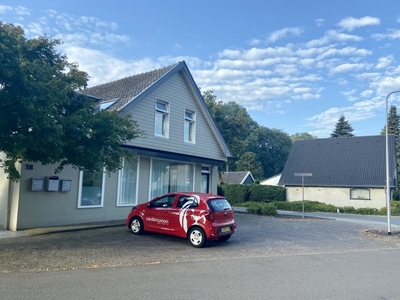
[345, 171]
[182, 150]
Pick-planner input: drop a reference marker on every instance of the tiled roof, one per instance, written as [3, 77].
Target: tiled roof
[346, 162]
[234, 177]
[125, 89]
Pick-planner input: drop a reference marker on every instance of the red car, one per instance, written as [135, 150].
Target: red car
[195, 216]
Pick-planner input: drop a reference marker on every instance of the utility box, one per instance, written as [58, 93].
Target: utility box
[37, 184]
[65, 185]
[52, 183]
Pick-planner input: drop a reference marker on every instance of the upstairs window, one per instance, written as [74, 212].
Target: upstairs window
[162, 119]
[189, 126]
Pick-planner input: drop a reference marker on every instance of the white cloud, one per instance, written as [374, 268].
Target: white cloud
[347, 67]
[385, 85]
[4, 9]
[351, 23]
[319, 22]
[392, 34]
[280, 34]
[254, 42]
[384, 62]
[332, 36]
[104, 68]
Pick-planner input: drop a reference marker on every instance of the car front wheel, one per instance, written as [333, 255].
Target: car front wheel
[136, 225]
[197, 237]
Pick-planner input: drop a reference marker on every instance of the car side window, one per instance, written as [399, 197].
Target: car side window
[184, 200]
[164, 201]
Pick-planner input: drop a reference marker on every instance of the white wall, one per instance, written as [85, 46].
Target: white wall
[336, 196]
[4, 195]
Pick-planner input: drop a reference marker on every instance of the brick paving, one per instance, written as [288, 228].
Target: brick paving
[113, 245]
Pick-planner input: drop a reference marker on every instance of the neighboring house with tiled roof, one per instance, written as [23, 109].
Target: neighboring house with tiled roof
[344, 171]
[181, 151]
[240, 177]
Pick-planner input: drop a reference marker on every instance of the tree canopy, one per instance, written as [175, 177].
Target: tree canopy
[300, 136]
[342, 128]
[255, 148]
[394, 128]
[44, 119]
[249, 162]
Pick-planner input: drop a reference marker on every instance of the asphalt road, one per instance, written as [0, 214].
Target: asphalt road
[267, 258]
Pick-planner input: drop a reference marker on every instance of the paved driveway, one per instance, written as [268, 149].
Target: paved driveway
[257, 236]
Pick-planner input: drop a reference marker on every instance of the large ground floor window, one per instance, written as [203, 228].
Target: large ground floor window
[91, 189]
[127, 190]
[169, 176]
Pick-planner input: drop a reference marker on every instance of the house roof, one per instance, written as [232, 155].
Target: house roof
[236, 177]
[345, 162]
[126, 89]
[273, 180]
[130, 91]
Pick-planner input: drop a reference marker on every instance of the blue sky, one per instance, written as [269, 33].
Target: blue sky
[295, 65]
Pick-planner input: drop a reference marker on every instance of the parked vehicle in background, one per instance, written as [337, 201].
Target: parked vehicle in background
[196, 216]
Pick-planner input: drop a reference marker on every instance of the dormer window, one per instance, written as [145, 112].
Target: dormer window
[106, 104]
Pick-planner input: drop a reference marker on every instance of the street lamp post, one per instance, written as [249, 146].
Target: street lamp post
[387, 163]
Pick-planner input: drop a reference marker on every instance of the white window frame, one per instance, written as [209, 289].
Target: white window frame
[81, 188]
[164, 114]
[189, 126]
[120, 184]
[357, 194]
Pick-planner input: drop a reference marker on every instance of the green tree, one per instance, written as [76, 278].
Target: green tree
[300, 136]
[342, 128]
[249, 162]
[272, 147]
[43, 118]
[234, 123]
[394, 128]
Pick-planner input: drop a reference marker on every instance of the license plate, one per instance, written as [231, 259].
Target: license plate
[225, 229]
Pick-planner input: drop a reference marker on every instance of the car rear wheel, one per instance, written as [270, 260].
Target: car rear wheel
[197, 237]
[224, 238]
[136, 225]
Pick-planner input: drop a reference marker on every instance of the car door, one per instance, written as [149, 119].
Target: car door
[158, 214]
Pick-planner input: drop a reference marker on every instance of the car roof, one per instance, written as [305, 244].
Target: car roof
[205, 196]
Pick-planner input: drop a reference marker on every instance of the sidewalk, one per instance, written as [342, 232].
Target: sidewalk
[44, 230]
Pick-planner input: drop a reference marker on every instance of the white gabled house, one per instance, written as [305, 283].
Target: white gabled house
[181, 151]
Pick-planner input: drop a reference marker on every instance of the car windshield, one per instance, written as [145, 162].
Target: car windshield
[218, 204]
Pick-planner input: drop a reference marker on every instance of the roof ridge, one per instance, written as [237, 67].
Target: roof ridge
[131, 76]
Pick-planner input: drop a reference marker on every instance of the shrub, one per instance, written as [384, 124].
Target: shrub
[260, 208]
[254, 208]
[235, 193]
[348, 210]
[239, 193]
[269, 209]
[396, 195]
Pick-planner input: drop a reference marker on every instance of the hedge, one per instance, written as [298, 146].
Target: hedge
[239, 193]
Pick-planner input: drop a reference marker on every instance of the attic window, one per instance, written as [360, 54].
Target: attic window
[106, 104]
[360, 194]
